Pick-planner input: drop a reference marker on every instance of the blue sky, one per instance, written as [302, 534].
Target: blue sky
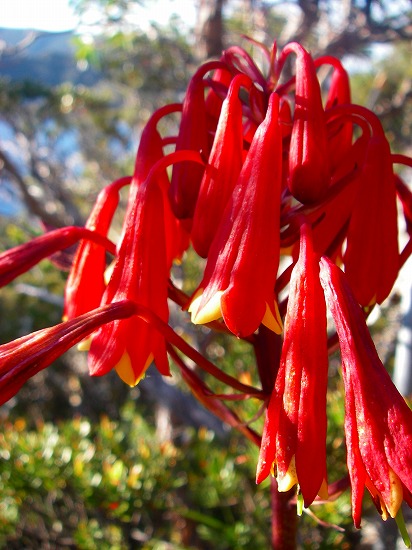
[56, 15]
[50, 15]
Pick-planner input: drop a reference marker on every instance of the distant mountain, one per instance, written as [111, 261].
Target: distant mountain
[49, 58]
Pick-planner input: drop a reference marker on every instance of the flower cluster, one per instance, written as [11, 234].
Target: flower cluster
[288, 191]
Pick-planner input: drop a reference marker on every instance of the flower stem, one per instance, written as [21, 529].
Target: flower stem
[284, 518]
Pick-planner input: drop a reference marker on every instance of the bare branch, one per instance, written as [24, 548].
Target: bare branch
[35, 207]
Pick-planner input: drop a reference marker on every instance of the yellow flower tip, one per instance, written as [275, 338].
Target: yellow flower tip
[209, 312]
[396, 496]
[287, 250]
[125, 370]
[273, 469]
[272, 319]
[324, 491]
[290, 479]
[195, 303]
[384, 511]
[108, 273]
[85, 344]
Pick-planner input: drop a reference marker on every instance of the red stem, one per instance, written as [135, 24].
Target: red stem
[267, 352]
[284, 518]
[268, 346]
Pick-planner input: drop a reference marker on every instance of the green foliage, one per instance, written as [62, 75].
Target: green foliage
[386, 87]
[113, 483]
[102, 485]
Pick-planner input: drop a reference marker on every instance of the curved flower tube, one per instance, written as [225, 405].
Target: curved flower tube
[193, 135]
[372, 239]
[222, 171]
[339, 135]
[233, 287]
[294, 434]
[26, 356]
[21, 258]
[309, 173]
[85, 285]
[378, 422]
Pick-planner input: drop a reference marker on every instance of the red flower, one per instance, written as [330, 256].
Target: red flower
[340, 132]
[294, 435]
[140, 271]
[85, 284]
[193, 135]
[240, 274]
[378, 422]
[139, 274]
[222, 170]
[309, 173]
[372, 256]
[150, 152]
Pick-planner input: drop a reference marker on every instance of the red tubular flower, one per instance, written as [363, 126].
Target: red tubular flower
[139, 274]
[140, 270]
[339, 87]
[85, 284]
[26, 356]
[193, 135]
[240, 274]
[339, 132]
[222, 170]
[372, 255]
[309, 173]
[219, 84]
[239, 61]
[151, 151]
[331, 217]
[378, 422]
[21, 258]
[294, 435]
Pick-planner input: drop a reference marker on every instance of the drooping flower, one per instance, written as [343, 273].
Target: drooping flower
[222, 170]
[372, 239]
[240, 274]
[309, 173]
[85, 285]
[294, 435]
[177, 237]
[378, 422]
[193, 135]
[339, 132]
[140, 273]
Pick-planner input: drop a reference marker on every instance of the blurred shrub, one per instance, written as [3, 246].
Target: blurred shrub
[114, 485]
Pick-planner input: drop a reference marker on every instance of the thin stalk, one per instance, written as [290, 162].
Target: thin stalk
[268, 346]
[284, 518]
